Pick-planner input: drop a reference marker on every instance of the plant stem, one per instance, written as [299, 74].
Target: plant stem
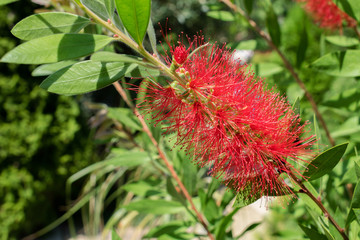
[163, 157]
[287, 64]
[305, 190]
[138, 48]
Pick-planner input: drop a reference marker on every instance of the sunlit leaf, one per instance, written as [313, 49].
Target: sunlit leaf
[98, 7]
[221, 15]
[125, 116]
[85, 77]
[115, 57]
[157, 207]
[341, 63]
[325, 162]
[135, 15]
[312, 232]
[48, 23]
[342, 41]
[55, 48]
[355, 204]
[48, 69]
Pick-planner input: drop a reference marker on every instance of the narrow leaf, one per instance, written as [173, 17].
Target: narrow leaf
[355, 204]
[301, 51]
[340, 64]
[312, 232]
[44, 24]
[248, 5]
[114, 235]
[85, 77]
[114, 57]
[272, 25]
[55, 48]
[223, 224]
[143, 188]
[221, 15]
[155, 206]
[48, 69]
[96, 6]
[110, 8]
[152, 38]
[129, 159]
[325, 162]
[357, 214]
[343, 41]
[135, 15]
[172, 230]
[124, 116]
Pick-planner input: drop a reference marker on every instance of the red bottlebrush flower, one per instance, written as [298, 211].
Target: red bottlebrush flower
[226, 118]
[327, 14]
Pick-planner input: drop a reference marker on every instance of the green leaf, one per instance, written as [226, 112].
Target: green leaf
[143, 72]
[135, 15]
[272, 25]
[246, 45]
[340, 63]
[343, 41]
[223, 224]
[55, 48]
[189, 172]
[110, 8]
[212, 211]
[340, 220]
[97, 7]
[325, 162]
[49, 23]
[152, 37]
[349, 127]
[267, 69]
[157, 207]
[4, 2]
[296, 106]
[349, 99]
[170, 188]
[357, 214]
[125, 116]
[128, 159]
[225, 16]
[302, 47]
[312, 232]
[172, 230]
[143, 188]
[249, 228]
[114, 57]
[48, 69]
[325, 227]
[85, 77]
[352, 8]
[114, 235]
[248, 5]
[355, 204]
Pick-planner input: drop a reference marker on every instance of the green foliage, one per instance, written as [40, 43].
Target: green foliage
[340, 64]
[85, 76]
[44, 24]
[135, 15]
[55, 48]
[325, 162]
